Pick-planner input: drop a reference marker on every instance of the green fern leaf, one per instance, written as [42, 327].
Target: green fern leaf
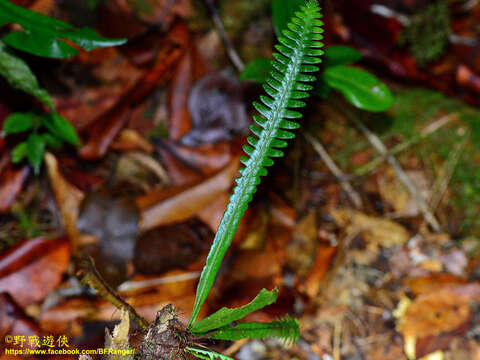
[225, 316]
[286, 329]
[298, 52]
[206, 354]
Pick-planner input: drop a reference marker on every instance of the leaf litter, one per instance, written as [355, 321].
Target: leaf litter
[371, 283]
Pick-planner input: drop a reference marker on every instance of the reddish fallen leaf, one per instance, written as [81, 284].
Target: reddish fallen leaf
[106, 128]
[166, 248]
[33, 268]
[319, 269]
[10, 185]
[431, 283]
[14, 322]
[468, 79]
[205, 158]
[176, 204]
[182, 82]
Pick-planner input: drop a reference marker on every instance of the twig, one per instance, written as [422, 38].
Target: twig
[90, 276]
[339, 175]
[427, 131]
[404, 179]
[441, 184]
[231, 52]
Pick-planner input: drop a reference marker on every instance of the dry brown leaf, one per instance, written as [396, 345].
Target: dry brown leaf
[10, 186]
[68, 199]
[177, 204]
[432, 283]
[301, 250]
[129, 139]
[33, 268]
[319, 269]
[428, 322]
[375, 231]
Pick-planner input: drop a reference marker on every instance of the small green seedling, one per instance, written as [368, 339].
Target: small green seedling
[41, 36]
[289, 82]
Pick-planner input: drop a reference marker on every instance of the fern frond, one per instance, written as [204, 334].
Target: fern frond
[206, 354]
[286, 329]
[289, 82]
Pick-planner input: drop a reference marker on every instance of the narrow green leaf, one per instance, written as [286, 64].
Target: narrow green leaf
[41, 45]
[282, 12]
[361, 88]
[43, 35]
[206, 354]
[19, 122]
[257, 70]
[19, 152]
[19, 76]
[286, 329]
[341, 55]
[61, 128]
[225, 316]
[35, 151]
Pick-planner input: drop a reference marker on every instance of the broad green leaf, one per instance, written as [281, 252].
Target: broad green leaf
[361, 88]
[19, 122]
[286, 329]
[61, 128]
[52, 141]
[18, 75]
[19, 152]
[43, 36]
[257, 70]
[225, 316]
[341, 55]
[282, 12]
[206, 354]
[35, 151]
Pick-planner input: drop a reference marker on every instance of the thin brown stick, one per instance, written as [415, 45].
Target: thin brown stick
[231, 52]
[446, 173]
[346, 186]
[402, 176]
[90, 276]
[426, 132]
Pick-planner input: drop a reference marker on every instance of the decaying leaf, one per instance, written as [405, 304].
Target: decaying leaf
[375, 231]
[119, 338]
[436, 314]
[32, 268]
[177, 204]
[68, 199]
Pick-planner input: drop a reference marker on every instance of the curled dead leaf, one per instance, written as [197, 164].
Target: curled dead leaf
[68, 199]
